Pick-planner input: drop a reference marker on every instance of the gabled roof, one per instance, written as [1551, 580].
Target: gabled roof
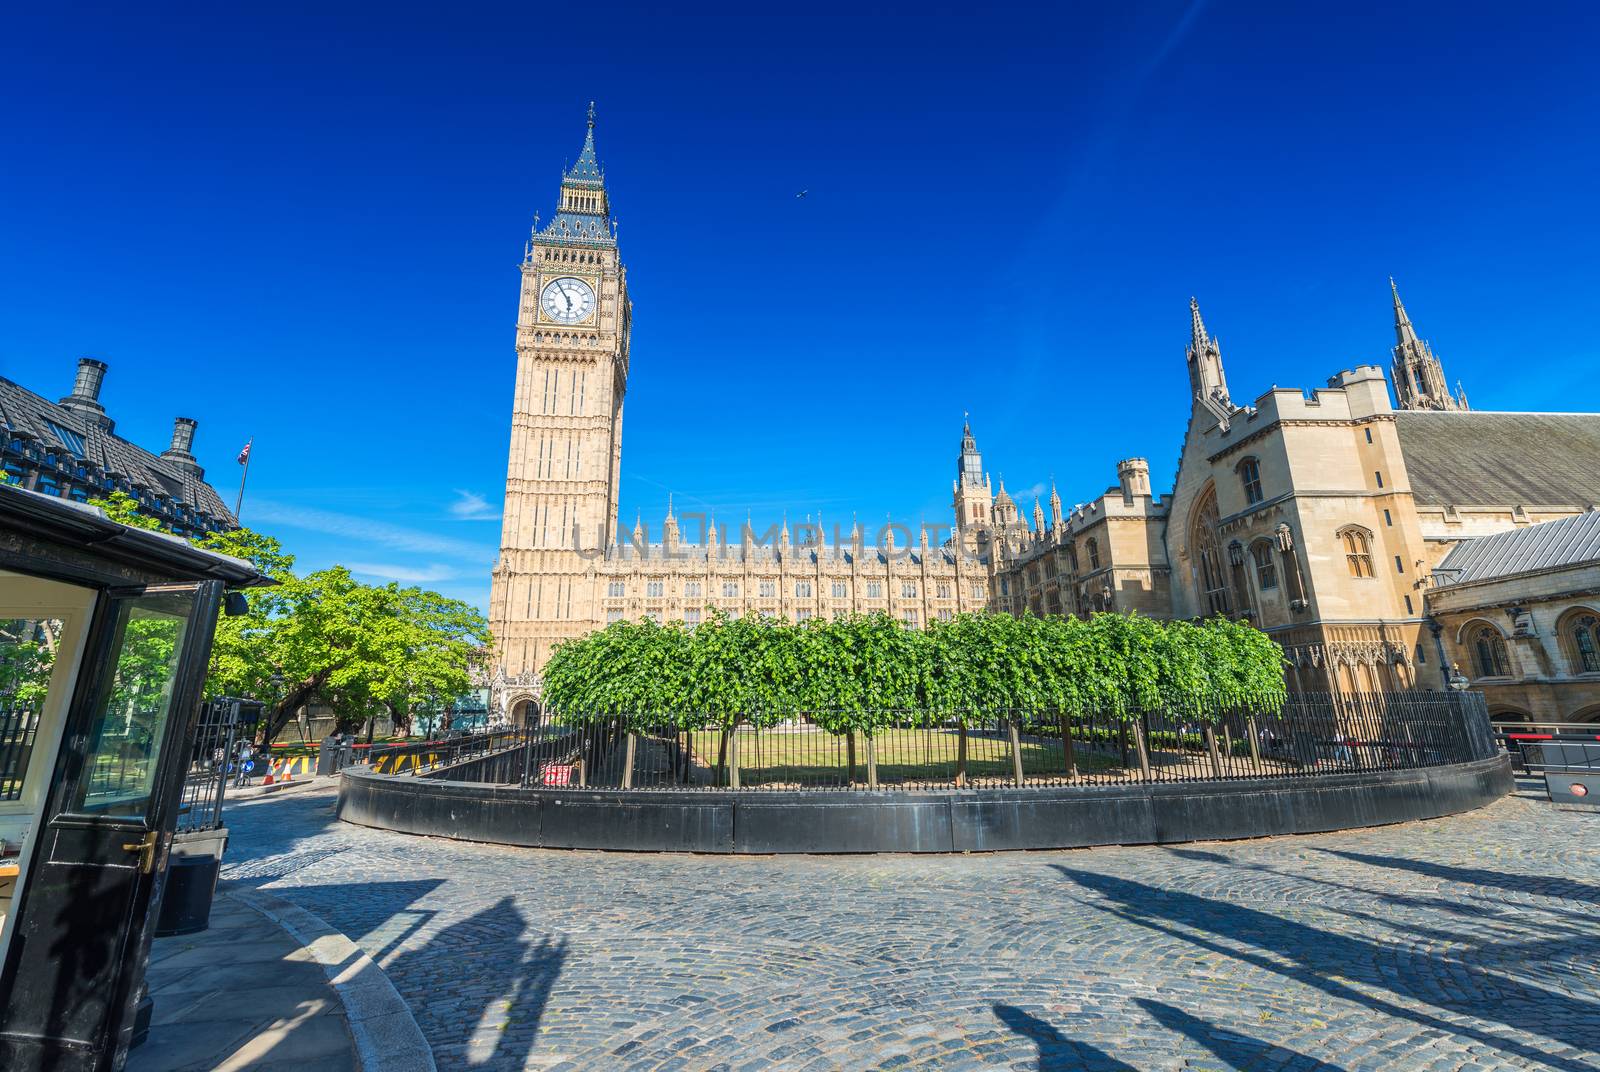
[1570, 541]
[1501, 459]
[34, 417]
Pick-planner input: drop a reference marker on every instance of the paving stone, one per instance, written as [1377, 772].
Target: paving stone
[1463, 944]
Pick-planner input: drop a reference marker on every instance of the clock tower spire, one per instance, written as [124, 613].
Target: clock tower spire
[574, 320]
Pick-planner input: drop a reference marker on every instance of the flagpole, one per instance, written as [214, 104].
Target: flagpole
[238, 503]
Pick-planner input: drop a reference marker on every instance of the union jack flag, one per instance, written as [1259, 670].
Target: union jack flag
[244, 455]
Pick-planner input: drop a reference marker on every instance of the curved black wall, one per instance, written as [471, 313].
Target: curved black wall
[759, 821]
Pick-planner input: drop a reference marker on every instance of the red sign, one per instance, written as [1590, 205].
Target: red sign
[555, 774]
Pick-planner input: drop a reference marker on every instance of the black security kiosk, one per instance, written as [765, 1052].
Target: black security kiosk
[105, 632]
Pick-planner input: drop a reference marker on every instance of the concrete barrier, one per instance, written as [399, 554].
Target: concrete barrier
[780, 821]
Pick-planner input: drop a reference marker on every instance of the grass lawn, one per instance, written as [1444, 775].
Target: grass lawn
[904, 755]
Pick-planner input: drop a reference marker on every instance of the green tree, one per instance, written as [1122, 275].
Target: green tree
[124, 509]
[326, 637]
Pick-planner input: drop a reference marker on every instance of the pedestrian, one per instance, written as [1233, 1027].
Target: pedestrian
[244, 764]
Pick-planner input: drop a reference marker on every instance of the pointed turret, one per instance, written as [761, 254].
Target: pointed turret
[1038, 516]
[1403, 331]
[669, 527]
[1198, 339]
[1418, 376]
[638, 529]
[1055, 508]
[1206, 377]
[585, 212]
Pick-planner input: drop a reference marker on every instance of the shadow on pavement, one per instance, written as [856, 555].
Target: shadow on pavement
[1562, 889]
[1239, 1051]
[1057, 1053]
[1325, 961]
[506, 1015]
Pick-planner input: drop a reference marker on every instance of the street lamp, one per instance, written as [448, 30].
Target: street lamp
[1458, 680]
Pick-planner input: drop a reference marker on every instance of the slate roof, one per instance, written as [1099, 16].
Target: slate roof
[31, 416]
[1571, 541]
[1502, 459]
[586, 173]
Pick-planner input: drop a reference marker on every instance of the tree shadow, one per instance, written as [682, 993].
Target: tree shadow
[1057, 1053]
[1561, 889]
[1435, 904]
[1239, 1051]
[522, 974]
[1323, 960]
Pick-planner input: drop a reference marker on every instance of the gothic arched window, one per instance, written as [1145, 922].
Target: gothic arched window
[1072, 557]
[1093, 548]
[1488, 648]
[1250, 477]
[1357, 551]
[1585, 633]
[1209, 572]
[1266, 568]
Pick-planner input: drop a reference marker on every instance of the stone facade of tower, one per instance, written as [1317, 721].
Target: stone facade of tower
[572, 332]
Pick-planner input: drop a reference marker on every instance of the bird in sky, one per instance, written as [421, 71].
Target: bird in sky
[802, 193]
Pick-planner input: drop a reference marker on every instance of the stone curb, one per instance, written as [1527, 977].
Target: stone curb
[386, 1035]
[261, 792]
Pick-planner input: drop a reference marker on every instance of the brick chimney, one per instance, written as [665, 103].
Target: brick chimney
[85, 397]
[181, 452]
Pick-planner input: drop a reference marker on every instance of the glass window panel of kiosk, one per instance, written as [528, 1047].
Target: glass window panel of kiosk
[132, 710]
[27, 656]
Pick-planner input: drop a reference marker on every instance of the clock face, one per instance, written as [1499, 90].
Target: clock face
[567, 301]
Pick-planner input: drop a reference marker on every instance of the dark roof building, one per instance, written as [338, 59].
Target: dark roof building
[70, 448]
[1501, 459]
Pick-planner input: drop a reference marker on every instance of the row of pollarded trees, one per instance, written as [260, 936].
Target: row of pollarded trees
[863, 671]
[862, 674]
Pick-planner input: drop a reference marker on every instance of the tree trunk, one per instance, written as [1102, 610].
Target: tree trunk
[1069, 757]
[278, 717]
[1016, 752]
[872, 763]
[961, 754]
[1211, 749]
[722, 759]
[1144, 752]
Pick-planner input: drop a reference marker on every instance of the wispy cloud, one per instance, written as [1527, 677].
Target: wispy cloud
[366, 530]
[390, 571]
[1036, 491]
[470, 506]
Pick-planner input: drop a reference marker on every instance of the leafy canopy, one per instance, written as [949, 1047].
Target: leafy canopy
[326, 637]
[861, 672]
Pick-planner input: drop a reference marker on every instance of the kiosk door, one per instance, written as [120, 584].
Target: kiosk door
[83, 927]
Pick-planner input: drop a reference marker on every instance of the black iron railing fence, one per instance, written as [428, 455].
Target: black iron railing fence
[1308, 733]
[424, 756]
[18, 727]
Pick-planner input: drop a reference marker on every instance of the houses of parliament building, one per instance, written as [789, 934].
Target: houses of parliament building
[1319, 516]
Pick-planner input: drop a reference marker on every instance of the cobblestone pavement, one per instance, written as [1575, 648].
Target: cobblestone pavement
[1465, 943]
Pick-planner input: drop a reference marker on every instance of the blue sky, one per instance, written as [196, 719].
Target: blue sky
[303, 225]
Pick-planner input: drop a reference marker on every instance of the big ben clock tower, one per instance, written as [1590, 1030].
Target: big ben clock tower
[573, 322]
